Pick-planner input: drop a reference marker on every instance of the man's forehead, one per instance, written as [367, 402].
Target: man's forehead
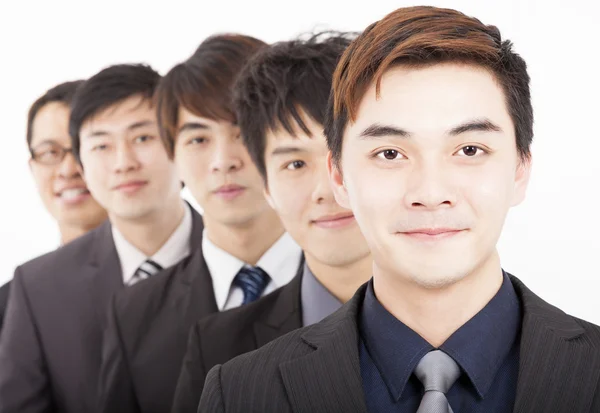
[432, 98]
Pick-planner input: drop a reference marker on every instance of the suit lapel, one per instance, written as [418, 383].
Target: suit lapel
[284, 316]
[559, 368]
[328, 378]
[193, 295]
[105, 270]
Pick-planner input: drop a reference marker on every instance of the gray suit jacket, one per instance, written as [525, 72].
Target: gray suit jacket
[50, 347]
[317, 369]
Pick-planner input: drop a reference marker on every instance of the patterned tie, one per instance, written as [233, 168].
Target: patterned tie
[146, 270]
[438, 372]
[252, 281]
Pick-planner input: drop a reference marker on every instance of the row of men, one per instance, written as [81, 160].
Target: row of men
[358, 183]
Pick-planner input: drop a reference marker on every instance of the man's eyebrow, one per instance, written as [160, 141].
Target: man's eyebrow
[283, 150]
[377, 130]
[475, 125]
[190, 126]
[140, 124]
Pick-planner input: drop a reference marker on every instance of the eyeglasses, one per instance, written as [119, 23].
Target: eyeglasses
[49, 153]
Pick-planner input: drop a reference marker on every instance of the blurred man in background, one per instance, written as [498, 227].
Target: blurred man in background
[245, 251]
[281, 98]
[55, 171]
[50, 348]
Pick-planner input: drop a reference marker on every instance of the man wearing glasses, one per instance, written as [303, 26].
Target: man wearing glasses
[55, 172]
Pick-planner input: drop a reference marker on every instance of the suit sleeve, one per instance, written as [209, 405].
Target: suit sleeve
[191, 377]
[116, 392]
[24, 381]
[212, 395]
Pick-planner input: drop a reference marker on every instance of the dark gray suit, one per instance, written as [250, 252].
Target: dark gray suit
[3, 301]
[146, 336]
[50, 347]
[316, 368]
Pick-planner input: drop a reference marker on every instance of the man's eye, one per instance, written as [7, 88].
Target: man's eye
[143, 138]
[295, 165]
[389, 154]
[470, 151]
[197, 141]
[99, 147]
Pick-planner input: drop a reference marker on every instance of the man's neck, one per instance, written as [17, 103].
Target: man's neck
[342, 281]
[247, 242]
[435, 314]
[149, 234]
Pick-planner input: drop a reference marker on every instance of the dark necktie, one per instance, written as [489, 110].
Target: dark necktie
[146, 270]
[438, 372]
[252, 281]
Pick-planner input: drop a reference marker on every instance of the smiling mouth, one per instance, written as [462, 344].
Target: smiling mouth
[73, 196]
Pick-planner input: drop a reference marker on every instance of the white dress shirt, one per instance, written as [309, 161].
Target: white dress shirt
[281, 262]
[174, 250]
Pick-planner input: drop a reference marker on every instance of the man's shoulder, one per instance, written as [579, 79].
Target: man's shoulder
[265, 361]
[592, 331]
[62, 262]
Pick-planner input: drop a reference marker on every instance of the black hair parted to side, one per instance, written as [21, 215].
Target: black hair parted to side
[108, 87]
[62, 93]
[283, 81]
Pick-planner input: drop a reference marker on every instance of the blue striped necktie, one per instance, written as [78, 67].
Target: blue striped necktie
[252, 281]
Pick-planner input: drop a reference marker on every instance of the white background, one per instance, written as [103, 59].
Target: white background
[551, 241]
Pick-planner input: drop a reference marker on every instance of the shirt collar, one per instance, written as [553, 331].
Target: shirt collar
[482, 343]
[176, 248]
[223, 267]
[317, 301]
[479, 346]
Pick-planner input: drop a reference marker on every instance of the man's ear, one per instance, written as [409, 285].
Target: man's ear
[336, 181]
[522, 176]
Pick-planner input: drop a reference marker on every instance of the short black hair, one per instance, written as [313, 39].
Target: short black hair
[62, 93]
[280, 81]
[107, 88]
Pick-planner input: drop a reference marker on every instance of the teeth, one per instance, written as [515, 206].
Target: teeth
[72, 193]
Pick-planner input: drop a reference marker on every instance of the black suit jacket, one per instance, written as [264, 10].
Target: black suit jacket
[147, 333]
[223, 336]
[4, 290]
[316, 368]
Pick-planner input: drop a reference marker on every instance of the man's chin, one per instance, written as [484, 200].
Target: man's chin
[437, 281]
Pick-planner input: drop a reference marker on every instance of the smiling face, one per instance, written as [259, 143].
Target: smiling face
[59, 181]
[214, 164]
[299, 190]
[125, 163]
[430, 169]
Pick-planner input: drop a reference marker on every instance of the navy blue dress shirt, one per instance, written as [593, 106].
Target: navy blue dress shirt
[486, 348]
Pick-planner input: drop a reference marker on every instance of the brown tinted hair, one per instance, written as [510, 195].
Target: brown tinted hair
[202, 84]
[421, 36]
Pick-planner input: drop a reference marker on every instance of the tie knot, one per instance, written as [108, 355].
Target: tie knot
[252, 281]
[437, 371]
[146, 270]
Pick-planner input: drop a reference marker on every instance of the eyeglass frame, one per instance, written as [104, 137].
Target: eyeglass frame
[54, 145]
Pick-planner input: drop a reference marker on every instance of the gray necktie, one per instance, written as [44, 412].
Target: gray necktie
[438, 372]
